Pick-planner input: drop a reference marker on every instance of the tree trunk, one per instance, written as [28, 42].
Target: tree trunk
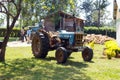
[3, 49]
[2, 55]
[99, 14]
[6, 38]
[9, 27]
[4, 44]
[98, 18]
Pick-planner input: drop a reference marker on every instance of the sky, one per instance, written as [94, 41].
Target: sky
[110, 8]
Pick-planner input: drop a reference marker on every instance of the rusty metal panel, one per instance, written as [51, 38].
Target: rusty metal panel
[78, 39]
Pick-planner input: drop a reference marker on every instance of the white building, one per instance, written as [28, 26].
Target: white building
[116, 17]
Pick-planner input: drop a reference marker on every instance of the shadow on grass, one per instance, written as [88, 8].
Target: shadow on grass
[53, 58]
[76, 64]
[70, 62]
[50, 58]
[34, 69]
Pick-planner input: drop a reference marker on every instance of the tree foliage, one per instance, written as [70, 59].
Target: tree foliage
[34, 10]
[100, 6]
[87, 7]
[1, 19]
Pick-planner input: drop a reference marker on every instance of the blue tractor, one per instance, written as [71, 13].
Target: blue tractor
[65, 41]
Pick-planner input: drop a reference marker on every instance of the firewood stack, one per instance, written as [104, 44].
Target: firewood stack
[99, 39]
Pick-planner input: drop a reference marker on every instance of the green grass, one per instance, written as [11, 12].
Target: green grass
[10, 38]
[21, 65]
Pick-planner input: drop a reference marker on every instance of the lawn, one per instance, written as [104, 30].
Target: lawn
[21, 65]
[10, 38]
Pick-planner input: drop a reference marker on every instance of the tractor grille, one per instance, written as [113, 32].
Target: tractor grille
[78, 39]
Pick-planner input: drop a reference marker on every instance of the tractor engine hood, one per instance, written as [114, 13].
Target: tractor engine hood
[67, 35]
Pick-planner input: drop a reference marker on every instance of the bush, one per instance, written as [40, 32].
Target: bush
[111, 32]
[89, 30]
[111, 49]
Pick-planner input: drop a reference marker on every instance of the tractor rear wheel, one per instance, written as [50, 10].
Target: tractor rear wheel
[87, 54]
[40, 45]
[61, 55]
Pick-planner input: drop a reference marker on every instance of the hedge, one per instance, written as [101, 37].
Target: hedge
[111, 32]
[14, 33]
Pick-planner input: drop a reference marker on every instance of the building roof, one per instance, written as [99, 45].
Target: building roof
[63, 14]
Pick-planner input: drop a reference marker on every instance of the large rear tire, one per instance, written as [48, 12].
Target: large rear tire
[87, 54]
[40, 45]
[61, 55]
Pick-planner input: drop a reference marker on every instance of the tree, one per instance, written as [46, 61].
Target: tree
[12, 9]
[87, 7]
[100, 6]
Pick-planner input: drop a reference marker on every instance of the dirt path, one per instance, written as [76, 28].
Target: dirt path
[17, 44]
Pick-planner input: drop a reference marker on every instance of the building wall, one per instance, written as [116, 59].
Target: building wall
[118, 25]
[118, 13]
[116, 16]
[118, 32]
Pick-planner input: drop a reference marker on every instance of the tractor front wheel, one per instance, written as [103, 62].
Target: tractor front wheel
[87, 54]
[61, 55]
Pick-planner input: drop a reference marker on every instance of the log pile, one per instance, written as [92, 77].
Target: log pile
[99, 39]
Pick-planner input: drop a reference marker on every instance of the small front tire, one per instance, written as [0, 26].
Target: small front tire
[87, 54]
[61, 55]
